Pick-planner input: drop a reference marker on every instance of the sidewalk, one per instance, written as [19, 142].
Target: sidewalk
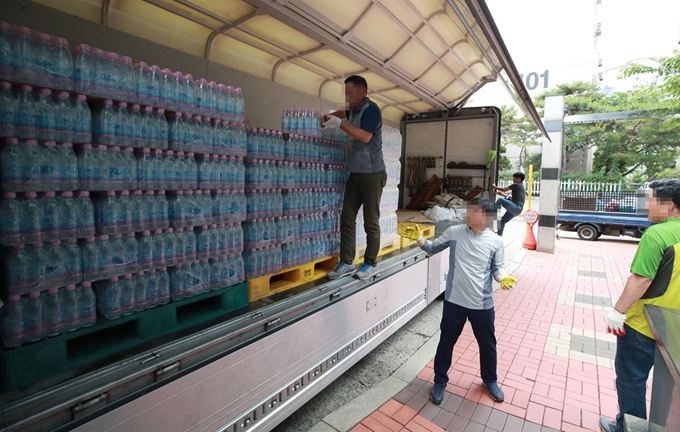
[555, 359]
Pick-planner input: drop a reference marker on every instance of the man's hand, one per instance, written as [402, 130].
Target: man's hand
[412, 232]
[332, 122]
[615, 320]
[508, 282]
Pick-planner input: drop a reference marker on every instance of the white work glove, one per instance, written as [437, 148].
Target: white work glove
[332, 122]
[615, 320]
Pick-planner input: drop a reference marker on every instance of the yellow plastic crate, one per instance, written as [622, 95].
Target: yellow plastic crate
[386, 246]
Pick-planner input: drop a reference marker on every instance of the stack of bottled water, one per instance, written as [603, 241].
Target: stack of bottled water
[41, 266]
[29, 219]
[32, 317]
[229, 206]
[122, 212]
[201, 135]
[129, 126]
[389, 203]
[31, 167]
[219, 241]
[44, 114]
[202, 276]
[265, 144]
[122, 296]
[314, 150]
[306, 122]
[35, 58]
[112, 76]
[103, 168]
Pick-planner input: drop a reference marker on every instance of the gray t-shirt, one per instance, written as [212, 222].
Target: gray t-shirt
[519, 194]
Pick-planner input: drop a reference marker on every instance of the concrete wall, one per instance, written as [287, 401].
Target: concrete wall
[265, 100]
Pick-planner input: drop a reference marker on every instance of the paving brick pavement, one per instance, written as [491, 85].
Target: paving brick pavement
[555, 359]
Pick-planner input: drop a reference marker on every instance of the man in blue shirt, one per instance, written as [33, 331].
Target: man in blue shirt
[475, 260]
[362, 122]
[513, 207]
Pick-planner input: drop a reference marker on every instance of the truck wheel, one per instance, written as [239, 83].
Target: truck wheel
[588, 232]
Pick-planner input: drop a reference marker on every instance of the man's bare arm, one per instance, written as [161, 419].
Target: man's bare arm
[356, 133]
[635, 288]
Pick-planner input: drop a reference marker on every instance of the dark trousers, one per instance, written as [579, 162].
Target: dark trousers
[634, 359]
[366, 190]
[512, 210]
[453, 321]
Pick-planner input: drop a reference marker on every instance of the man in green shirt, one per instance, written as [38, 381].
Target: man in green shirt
[653, 280]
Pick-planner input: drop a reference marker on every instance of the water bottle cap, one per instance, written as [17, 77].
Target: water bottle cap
[158, 152]
[53, 291]
[34, 294]
[180, 153]
[5, 26]
[158, 231]
[43, 37]
[67, 194]
[9, 195]
[180, 192]
[63, 94]
[112, 55]
[146, 109]
[67, 144]
[49, 194]
[135, 106]
[169, 230]
[37, 245]
[238, 90]
[114, 279]
[26, 87]
[50, 144]
[140, 273]
[156, 68]
[84, 194]
[14, 298]
[122, 104]
[127, 59]
[169, 153]
[104, 237]
[199, 192]
[213, 226]
[125, 193]
[127, 276]
[146, 150]
[230, 88]
[161, 192]
[117, 236]
[152, 271]
[190, 154]
[179, 230]
[189, 76]
[142, 64]
[137, 193]
[197, 117]
[167, 71]
[160, 111]
[164, 269]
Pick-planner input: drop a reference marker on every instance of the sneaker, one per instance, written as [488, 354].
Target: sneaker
[608, 425]
[365, 271]
[495, 391]
[437, 393]
[342, 270]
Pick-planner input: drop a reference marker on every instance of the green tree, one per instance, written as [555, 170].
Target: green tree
[623, 147]
[668, 69]
[519, 131]
[534, 159]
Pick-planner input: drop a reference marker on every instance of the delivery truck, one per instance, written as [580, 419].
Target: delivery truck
[208, 350]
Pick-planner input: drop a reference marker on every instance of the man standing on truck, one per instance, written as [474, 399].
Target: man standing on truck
[477, 257]
[513, 207]
[362, 122]
[654, 280]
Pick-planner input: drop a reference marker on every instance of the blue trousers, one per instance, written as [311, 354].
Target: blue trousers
[634, 359]
[453, 321]
[512, 210]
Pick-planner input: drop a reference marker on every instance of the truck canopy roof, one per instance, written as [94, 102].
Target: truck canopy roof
[417, 55]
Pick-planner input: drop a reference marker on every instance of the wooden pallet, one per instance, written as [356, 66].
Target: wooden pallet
[286, 279]
[427, 230]
[420, 199]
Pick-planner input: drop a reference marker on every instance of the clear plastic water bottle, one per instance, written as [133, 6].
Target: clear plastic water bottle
[43, 61]
[62, 65]
[154, 85]
[123, 127]
[161, 129]
[179, 91]
[158, 248]
[11, 217]
[82, 124]
[85, 215]
[13, 332]
[7, 109]
[64, 118]
[127, 290]
[69, 308]
[83, 69]
[170, 246]
[222, 102]
[33, 313]
[167, 96]
[7, 61]
[109, 298]
[25, 113]
[190, 87]
[136, 126]
[213, 96]
[52, 313]
[239, 104]
[114, 89]
[50, 169]
[141, 71]
[145, 251]
[24, 56]
[140, 292]
[45, 116]
[128, 88]
[87, 311]
[49, 217]
[99, 74]
[163, 280]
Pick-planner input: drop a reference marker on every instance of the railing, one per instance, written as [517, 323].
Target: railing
[572, 186]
